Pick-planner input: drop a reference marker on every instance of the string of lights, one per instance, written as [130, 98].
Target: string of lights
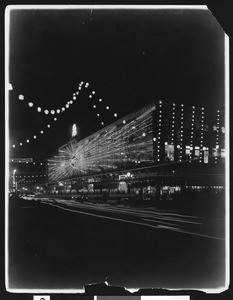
[192, 132]
[29, 176]
[173, 122]
[58, 110]
[202, 133]
[27, 162]
[34, 137]
[217, 135]
[159, 130]
[181, 131]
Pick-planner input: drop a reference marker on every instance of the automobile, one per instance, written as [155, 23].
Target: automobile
[30, 196]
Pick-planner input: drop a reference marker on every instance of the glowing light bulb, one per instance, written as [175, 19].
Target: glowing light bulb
[30, 104]
[21, 144]
[115, 115]
[90, 96]
[67, 105]
[13, 146]
[52, 112]
[41, 131]
[21, 97]
[124, 122]
[10, 87]
[102, 123]
[34, 136]
[27, 141]
[74, 98]
[55, 119]
[39, 109]
[63, 109]
[107, 107]
[93, 92]
[100, 100]
[46, 111]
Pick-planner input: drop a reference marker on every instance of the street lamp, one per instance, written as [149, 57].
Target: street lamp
[14, 181]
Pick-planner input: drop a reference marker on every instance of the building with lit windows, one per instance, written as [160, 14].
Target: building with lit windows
[162, 146]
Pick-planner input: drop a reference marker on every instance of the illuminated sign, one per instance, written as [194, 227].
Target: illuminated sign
[74, 130]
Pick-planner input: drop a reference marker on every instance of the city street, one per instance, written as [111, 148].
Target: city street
[116, 148]
[60, 245]
[149, 217]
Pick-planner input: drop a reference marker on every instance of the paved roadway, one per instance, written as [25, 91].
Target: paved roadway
[148, 217]
[65, 244]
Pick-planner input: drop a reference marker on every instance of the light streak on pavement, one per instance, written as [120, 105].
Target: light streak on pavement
[151, 217]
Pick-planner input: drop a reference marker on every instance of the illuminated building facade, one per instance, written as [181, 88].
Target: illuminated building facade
[161, 133]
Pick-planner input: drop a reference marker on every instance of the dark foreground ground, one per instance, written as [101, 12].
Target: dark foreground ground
[50, 248]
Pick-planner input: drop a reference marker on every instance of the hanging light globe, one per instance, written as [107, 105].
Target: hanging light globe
[21, 97]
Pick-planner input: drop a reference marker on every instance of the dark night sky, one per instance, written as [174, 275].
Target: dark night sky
[129, 57]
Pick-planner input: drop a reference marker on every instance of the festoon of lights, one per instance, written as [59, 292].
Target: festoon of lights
[181, 132]
[217, 136]
[59, 110]
[173, 122]
[159, 131]
[69, 103]
[192, 132]
[29, 162]
[28, 178]
[202, 134]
